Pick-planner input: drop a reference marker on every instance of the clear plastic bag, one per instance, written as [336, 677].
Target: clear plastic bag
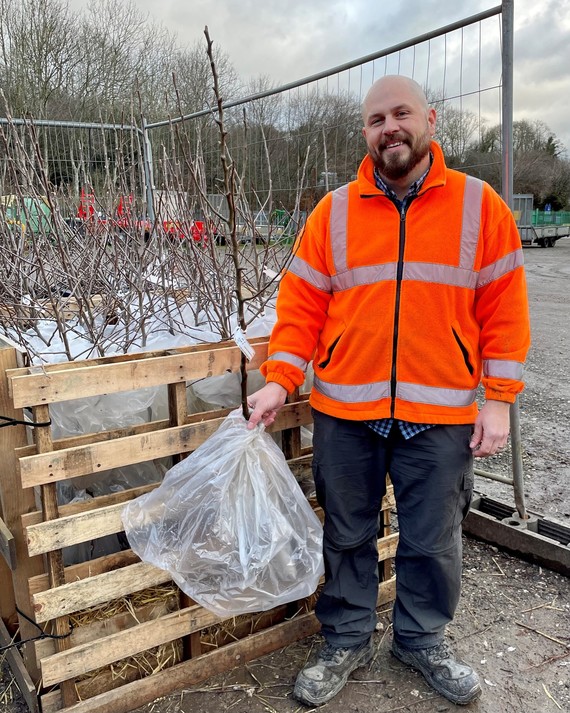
[231, 524]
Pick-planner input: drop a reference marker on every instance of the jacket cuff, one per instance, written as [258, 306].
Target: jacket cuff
[282, 381]
[493, 395]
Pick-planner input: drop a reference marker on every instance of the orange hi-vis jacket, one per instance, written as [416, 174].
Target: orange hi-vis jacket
[403, 315]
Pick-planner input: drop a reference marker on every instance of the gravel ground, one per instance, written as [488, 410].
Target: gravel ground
[512, 621]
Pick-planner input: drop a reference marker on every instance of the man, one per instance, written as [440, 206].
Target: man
[406, 291]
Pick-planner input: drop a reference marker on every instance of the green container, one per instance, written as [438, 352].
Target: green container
[30, 213]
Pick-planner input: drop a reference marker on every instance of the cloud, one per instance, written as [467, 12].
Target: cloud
[542, 67]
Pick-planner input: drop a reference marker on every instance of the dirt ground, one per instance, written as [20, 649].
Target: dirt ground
[513, 621]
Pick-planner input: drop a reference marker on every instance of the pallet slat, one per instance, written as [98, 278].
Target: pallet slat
[76, 596]
[91, 505]
[98, 457]
[13, 502]
[7, 545]
[84, 570]
[98, 628]
[102, 652]
[54, 559]
[82, 382]
[260, 343]
[74, 529]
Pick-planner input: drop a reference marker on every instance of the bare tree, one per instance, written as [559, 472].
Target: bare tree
[267, 111]
[126, 51]
[191, 67]
[39, 51]
[456, 132]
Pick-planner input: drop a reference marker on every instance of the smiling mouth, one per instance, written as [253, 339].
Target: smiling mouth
[394, 145]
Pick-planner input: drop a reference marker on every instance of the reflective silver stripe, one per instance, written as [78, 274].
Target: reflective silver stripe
[503, 369]
[462, 276]
[434, 395]
[442, 274]
[363, 276]
[352, 394]
[338, 218]
[358, 393]
[471, 220]
[502, 267]
[289, 358]
[302, 269]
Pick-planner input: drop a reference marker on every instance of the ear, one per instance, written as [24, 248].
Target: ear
[432, 115]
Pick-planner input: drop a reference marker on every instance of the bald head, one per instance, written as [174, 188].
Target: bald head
[394, 84]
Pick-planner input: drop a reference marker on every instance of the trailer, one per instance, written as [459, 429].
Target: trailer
[545, 235]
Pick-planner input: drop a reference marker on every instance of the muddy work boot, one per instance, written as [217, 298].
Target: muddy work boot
[320, 681]
[448, 675]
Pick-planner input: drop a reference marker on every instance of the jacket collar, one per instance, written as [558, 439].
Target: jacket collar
[436, 176]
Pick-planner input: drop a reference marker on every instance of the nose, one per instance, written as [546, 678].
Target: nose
[390, 124]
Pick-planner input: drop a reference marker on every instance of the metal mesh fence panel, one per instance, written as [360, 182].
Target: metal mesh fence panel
[306, 138]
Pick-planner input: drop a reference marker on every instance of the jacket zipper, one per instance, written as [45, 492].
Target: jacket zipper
[399, 275]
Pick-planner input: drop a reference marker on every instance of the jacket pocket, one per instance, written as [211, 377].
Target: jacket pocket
[329, 352]
[463, 345]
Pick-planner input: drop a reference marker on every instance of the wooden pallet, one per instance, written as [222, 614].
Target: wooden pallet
[128, 634]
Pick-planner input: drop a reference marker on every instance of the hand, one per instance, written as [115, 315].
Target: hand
[491, 429]
[265, 403]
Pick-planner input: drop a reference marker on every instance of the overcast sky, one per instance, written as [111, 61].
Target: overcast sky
[290, 39]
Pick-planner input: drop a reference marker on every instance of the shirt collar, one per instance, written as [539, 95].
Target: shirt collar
[413, 190]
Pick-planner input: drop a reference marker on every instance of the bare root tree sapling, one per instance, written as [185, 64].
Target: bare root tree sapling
[229, 175]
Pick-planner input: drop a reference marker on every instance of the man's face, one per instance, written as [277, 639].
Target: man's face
[398, 128]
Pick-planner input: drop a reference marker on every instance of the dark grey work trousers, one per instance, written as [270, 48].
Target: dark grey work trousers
[432, 474]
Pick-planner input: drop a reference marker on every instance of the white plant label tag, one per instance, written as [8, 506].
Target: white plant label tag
[245, 347]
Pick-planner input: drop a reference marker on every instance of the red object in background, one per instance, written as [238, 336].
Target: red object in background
[86, 207]
[124, 219]
[122, 209]
[197, 231]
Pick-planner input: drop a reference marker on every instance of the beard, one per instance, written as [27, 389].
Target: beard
[399, 164]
